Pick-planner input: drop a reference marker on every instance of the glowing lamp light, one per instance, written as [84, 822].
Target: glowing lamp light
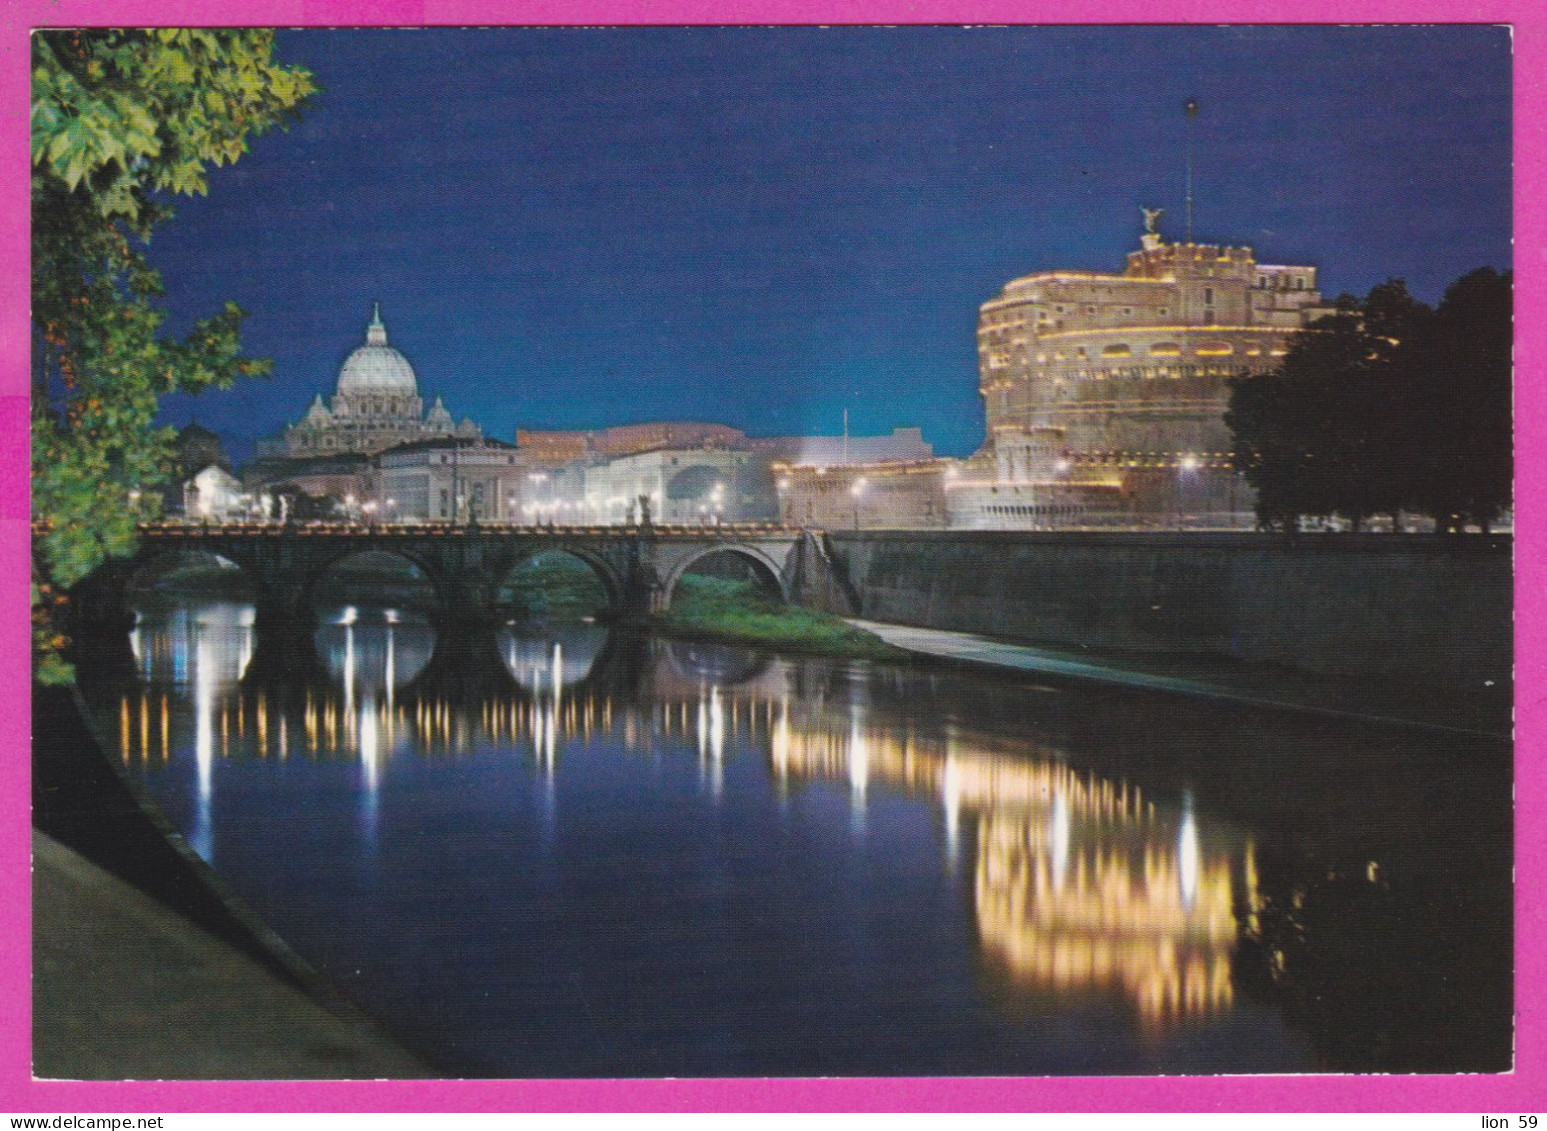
[1189, 463]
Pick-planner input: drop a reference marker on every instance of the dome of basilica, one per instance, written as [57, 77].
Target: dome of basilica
[376, 367]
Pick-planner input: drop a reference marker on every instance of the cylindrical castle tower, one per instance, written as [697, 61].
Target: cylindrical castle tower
[1133, 369]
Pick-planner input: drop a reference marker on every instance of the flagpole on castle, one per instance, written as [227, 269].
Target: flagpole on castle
[1190, 107]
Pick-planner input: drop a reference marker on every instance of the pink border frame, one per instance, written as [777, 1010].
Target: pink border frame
[1519, 1092]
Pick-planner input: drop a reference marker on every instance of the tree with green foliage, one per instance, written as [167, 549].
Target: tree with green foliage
[122, 120]
[1385, 406]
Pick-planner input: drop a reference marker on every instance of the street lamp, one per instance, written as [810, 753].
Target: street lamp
[857, 491]
[1186, 467]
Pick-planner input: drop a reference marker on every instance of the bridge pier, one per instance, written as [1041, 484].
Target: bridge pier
[643, 595]
[465, 664]
[285, 626]
[818, 580]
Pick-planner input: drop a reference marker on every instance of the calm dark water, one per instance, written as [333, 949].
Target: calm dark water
[567, 852]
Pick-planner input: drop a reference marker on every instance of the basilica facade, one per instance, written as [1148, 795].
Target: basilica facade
[375, 406]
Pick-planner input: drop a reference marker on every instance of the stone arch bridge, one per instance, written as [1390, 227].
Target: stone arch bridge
[638, 566]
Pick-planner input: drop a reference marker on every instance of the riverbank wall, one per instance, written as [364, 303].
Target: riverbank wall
[1428, 608]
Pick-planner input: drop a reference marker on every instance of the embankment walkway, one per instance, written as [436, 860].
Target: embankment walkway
[126, 989]
[1485, 713]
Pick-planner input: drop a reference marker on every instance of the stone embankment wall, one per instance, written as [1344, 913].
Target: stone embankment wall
[1409, 606]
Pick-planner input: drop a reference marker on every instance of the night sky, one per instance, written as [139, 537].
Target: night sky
[581, 228]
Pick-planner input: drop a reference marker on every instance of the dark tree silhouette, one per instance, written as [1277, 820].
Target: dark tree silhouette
[1461, 428]
[1385, 406]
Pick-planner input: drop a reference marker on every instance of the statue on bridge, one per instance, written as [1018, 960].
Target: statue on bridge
[644, 510]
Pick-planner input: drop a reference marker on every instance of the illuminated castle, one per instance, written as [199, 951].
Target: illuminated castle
[1105, 393]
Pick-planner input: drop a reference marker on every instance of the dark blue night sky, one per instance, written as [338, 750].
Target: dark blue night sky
[579, 228]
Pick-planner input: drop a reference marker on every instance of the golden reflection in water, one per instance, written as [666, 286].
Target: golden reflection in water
[1120, 917]
[1079, 884]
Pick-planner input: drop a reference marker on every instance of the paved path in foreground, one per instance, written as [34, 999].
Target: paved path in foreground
[1214, 680]
[125, 989]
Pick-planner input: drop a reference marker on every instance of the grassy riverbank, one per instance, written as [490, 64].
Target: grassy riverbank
[737, 612]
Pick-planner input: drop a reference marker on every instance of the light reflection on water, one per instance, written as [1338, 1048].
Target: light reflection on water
[988, 904]
[373, 652]
[563, 654]
[198, 650]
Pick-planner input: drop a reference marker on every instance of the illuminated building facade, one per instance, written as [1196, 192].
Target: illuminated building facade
[376, 406]
[449, 479]
[704, 473]
[1127, 376]
[881, 494]
[214, 493]
[684, 485]
[558, 447]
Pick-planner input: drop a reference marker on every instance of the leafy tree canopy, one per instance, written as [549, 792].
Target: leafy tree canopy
[1386, 406]
[122, 120]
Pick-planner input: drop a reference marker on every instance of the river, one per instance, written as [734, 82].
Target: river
[574, 851]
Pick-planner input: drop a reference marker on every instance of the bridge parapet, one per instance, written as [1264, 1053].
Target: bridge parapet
[170, 528]
[467, 564]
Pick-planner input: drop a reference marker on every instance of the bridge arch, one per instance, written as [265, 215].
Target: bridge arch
[765, 567]
[428, 570]
[606, 574]
[146, 572]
